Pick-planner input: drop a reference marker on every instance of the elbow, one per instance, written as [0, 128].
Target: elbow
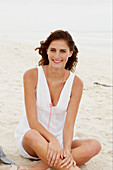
[33, 124]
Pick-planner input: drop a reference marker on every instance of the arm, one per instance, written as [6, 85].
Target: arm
[30, 83]
[72, 112]
[76, 94]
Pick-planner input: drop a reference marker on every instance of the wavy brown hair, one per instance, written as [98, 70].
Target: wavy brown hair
[57, 35]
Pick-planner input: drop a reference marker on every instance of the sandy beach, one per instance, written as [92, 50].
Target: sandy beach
[95, 112]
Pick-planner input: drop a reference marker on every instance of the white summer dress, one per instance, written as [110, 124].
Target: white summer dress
[43, 101]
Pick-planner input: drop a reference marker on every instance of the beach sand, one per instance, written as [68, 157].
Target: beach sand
[95, 112]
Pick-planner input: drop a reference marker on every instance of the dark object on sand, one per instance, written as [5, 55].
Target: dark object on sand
[105, 85]
[4, 159]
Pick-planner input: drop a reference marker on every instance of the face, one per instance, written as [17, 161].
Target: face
[58, 53]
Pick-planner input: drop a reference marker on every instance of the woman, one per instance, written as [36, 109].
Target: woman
[52, 97]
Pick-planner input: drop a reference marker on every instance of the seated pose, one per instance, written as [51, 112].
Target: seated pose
[52, 96]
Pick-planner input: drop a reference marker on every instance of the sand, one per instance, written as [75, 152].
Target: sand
[95, 112]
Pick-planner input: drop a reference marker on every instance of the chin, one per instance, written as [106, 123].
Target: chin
[58, 66]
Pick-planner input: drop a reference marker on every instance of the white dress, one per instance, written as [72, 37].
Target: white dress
[43, 101]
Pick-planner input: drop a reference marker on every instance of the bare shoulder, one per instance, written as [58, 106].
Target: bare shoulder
[77, 81]
[31, 76]
[77, 85]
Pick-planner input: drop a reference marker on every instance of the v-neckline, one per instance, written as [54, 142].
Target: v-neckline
[49, 88]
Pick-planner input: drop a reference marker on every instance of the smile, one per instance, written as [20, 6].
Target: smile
[57, 61]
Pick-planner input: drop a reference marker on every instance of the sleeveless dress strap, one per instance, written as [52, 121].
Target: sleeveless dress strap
[66, 93]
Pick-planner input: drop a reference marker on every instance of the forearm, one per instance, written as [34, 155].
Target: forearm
[43, 131]
[67, 137]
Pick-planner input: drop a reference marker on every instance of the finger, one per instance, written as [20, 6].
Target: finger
[50, 157]
[64, 160]
[53, 159]
[57, 159]
[65, 164]
[48, 152]
[74, 163]
[70, 164]
[61, 155]
[64, 154]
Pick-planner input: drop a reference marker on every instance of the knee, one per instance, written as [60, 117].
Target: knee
[94, 147]
[32, 137]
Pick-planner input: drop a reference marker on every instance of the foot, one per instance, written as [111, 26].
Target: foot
[40, 166]
[74, 168]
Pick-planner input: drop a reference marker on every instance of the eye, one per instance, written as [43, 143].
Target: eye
[52, 50]
[62, 51]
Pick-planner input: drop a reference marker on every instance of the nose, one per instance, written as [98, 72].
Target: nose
[57, 54]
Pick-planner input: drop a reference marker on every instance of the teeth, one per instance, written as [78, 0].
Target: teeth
[56, 61]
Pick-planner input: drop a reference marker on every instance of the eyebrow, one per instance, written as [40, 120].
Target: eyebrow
[60, 49]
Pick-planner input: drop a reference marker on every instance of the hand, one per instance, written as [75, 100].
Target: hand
[54, 152]
[68, 160]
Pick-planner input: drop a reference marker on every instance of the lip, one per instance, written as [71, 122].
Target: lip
[56, 61]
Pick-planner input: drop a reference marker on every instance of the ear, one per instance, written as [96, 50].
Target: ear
[71, 52]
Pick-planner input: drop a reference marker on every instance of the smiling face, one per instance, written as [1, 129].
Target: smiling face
[58, 53]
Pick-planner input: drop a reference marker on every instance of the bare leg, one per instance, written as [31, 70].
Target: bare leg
[39, 166]
[35, 144]
[84, 150]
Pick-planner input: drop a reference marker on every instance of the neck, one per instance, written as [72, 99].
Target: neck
[55, 73]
